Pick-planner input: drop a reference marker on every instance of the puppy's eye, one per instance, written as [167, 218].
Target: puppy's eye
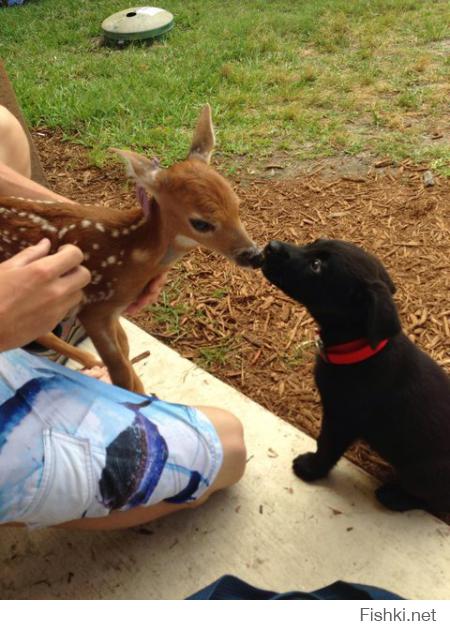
[201, 226]
[316, 265]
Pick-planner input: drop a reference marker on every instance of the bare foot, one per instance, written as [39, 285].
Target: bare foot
[99, 372]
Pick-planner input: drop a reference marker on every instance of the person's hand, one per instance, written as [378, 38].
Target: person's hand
[149, 295]
[37, 291]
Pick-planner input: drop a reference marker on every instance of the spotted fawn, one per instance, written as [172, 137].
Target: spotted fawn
[186, 205]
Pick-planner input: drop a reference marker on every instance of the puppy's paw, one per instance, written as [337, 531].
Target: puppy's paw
[305, 466]
[393, 497]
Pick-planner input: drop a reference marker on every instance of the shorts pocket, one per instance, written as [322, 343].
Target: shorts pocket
[67, 489]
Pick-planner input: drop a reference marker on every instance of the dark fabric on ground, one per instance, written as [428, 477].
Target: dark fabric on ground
[231, 587]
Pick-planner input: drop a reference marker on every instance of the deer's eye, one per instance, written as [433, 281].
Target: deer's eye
[201, 226]
[316, 265]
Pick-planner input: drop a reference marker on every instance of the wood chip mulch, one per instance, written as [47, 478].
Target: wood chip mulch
[246, 332]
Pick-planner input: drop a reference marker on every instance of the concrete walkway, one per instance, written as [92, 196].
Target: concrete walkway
[271, 529]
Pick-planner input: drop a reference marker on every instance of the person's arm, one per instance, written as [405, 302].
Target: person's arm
[37, 290]
[13, 184]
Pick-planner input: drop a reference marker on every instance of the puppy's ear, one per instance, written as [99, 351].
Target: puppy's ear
[386, 278]
[382, 317]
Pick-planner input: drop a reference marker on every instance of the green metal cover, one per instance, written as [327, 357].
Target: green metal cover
[137, 23]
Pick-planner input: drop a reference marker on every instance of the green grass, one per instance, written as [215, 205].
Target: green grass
[169, 316]
[299, 353]
[213, 356]
[168, 313]
[306, 79]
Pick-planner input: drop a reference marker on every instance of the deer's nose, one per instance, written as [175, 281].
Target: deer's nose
[251, 257]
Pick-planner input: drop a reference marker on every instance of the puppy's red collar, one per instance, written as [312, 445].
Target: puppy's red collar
[351, 352]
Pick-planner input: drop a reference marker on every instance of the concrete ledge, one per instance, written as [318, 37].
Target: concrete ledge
[271, 529]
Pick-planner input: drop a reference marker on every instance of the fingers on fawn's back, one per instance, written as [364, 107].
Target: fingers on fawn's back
[65, 261]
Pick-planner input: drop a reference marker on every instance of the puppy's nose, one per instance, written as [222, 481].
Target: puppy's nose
[276, 249]
[251, 257]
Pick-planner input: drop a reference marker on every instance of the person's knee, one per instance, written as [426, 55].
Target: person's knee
[231, 434]
[235, 451]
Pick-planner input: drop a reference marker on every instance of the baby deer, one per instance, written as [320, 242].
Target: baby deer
[189, 205]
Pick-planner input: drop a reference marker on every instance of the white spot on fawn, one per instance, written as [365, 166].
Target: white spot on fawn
[137, 225]
[101, 296]
[49, 228]
[95, 246]
[86, 223]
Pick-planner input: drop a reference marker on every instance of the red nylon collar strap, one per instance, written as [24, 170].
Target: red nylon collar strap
[351, 352]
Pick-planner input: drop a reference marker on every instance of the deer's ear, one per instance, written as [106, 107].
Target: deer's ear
[140, 168]
[204, 140]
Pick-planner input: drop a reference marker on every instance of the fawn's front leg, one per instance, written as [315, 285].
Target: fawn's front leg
[124, 346]
[104, 329]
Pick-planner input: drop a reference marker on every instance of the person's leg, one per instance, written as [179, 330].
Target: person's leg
[15, 172]
[14, 147]
[77, 453]
[231, 435]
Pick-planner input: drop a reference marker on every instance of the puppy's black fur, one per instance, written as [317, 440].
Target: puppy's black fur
[397, 400]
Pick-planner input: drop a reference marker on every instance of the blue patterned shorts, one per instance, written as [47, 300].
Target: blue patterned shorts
[73, 447]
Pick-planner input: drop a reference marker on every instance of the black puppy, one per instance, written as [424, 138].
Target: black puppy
[373, 381]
